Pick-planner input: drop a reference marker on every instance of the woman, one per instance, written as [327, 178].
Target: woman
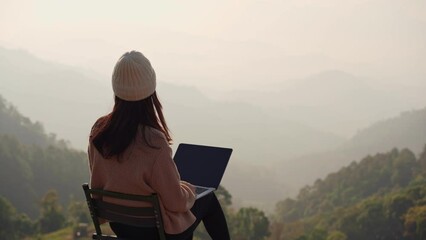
[129, 151]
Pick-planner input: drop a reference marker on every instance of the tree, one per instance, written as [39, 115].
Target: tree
[422, 162]
[415, 223]
[317, 234]
[7, 229]
[372, 221]
[396, 207]
[24, 225]
[13, 225]
[403, 166]
[51, 218]
[250, 224]
[336, 235]
[78, 212]
[287, 210]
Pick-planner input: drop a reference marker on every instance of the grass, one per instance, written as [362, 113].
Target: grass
[62, 234]
[67, 234]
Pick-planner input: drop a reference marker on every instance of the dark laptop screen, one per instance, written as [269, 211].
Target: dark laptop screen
[202, 165]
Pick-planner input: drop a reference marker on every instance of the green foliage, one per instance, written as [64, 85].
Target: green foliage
[317, 234]
[52, 217]
[13, 225]
[34, 162]
[65, 233]
[6, 220]
[78, 212]
[371, 221]
[403, 166]
[337, 235]
[415, 223]
[15, 124]
[249, 224]
[422, 163]
[33, 170]
[381, 197]
[351, 184]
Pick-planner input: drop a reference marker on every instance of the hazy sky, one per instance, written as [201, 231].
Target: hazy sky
[226, 44]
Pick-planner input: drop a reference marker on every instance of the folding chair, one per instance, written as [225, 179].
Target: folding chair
[149, 217]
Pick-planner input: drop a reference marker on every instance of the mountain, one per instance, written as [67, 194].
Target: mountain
[341, 102]
[13, 123]
[335, 101]
[62, 98]
[253, 133]
[34, 162]
[380, 197]
[407, 130]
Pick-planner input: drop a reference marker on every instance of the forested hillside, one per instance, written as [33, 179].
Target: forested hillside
[34, 162]
[406, 130]
[381, 197]
[13, 123]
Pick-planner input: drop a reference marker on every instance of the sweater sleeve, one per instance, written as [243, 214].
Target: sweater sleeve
[176, 195]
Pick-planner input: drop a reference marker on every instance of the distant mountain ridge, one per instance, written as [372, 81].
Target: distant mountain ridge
[13, 123]
[58, 96]
[408, 130]
[336, 101]
[34, 162]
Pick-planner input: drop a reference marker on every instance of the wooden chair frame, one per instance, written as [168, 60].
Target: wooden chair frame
[149, 217]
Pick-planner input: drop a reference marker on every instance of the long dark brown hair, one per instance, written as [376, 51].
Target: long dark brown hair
[113, 133]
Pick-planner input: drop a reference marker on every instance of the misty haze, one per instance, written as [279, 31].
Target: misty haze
[322, 102]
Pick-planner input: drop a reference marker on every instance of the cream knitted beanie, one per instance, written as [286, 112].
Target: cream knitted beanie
[133, 78]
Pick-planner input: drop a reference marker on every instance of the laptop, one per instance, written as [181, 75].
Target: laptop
[202, 166]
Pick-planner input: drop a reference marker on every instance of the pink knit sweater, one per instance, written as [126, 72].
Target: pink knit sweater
[145, 170]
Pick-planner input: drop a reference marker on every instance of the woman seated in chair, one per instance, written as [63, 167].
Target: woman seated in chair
[129, 152]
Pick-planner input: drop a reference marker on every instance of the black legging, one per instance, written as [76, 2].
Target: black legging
[206, 209]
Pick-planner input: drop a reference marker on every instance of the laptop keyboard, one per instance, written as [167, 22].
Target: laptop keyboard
[199, 190]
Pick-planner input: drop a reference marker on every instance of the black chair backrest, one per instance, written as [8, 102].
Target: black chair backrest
[149, 217]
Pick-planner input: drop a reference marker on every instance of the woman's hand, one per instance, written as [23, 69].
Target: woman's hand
[189, 186]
